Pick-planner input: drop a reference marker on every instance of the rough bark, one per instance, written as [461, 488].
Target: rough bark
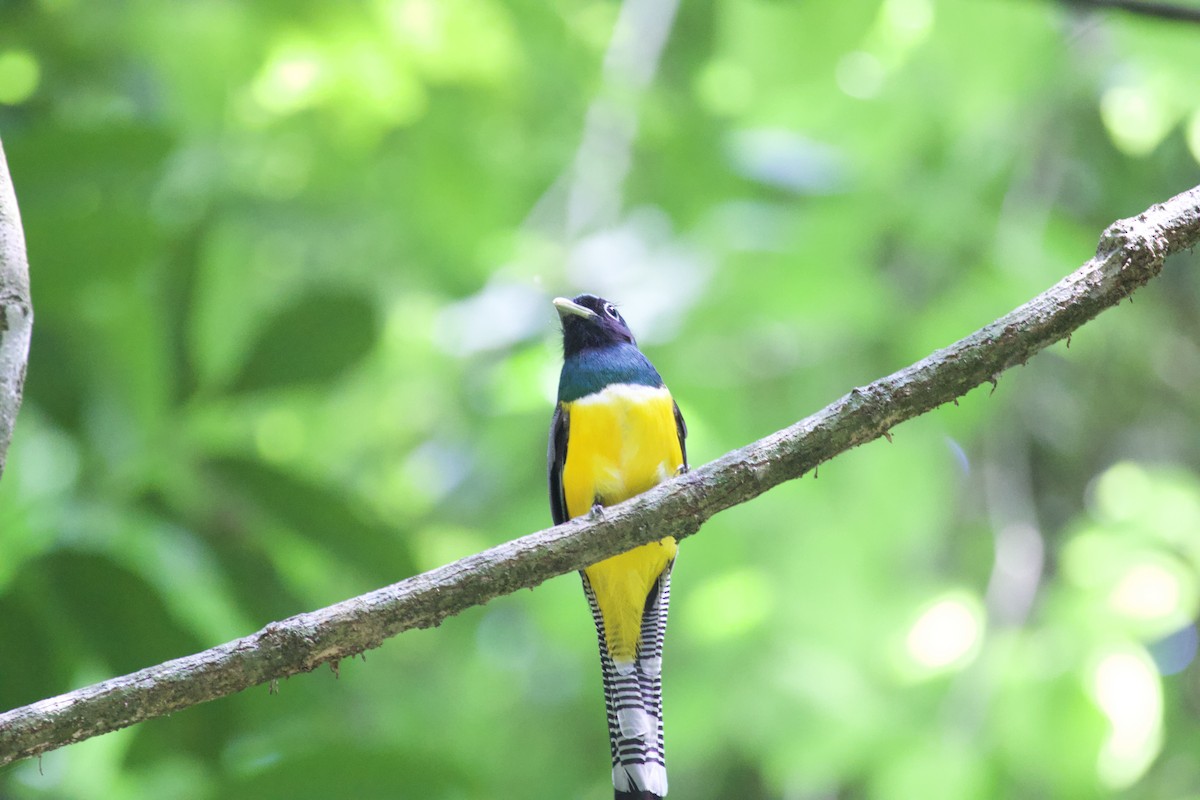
[1131, 252]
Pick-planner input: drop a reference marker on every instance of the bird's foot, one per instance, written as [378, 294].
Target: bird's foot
[596, 512]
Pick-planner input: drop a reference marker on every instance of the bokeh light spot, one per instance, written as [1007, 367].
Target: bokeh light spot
[907, 21]
[1147, 591]
[291, 78]
[725, 87]
[1122, 491]
[859, 75]
[1125, 687]
[19, 76]
[1135, 119]
[728, 605]
[946, 633]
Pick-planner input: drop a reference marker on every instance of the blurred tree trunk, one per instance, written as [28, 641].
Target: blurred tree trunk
[16, 309]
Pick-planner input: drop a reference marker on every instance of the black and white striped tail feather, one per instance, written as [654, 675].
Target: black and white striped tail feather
[633, 699]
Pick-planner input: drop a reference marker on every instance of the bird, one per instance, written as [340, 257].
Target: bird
[616, 432]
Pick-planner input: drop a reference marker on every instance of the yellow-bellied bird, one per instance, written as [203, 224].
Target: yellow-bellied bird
[617, 432]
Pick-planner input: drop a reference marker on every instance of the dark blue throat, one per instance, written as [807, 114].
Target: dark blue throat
[588, 371]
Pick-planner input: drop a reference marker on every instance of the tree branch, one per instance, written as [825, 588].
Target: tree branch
[1131, 252]
[1164, 11]
[16, 309]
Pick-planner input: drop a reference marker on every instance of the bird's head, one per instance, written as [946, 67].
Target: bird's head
[590, 321]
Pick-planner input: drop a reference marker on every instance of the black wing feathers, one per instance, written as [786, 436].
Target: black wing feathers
[681, 428]
[556, 457]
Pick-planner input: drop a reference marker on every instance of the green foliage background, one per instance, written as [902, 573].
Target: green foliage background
[291, 266]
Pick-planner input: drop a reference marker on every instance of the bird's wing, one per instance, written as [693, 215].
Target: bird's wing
[556, 457]
[681, 428]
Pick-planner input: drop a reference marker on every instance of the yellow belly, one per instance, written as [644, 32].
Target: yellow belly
[623, 440]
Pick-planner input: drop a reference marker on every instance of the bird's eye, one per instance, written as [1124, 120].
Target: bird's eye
[611, 310]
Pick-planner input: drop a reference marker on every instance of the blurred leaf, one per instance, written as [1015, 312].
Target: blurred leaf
[115, 614]
[86, 215]
[251, 571]
[314, 340]
[344, 769]
[57, 378]
[321, 515]
[200, 732]
[30, 661]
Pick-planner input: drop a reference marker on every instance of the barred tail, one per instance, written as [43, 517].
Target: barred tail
[633, 699]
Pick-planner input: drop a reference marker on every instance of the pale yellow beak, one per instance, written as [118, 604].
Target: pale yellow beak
[571, 308]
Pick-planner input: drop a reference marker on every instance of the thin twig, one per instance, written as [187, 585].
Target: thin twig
[1163, 11]
[1131, 252]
